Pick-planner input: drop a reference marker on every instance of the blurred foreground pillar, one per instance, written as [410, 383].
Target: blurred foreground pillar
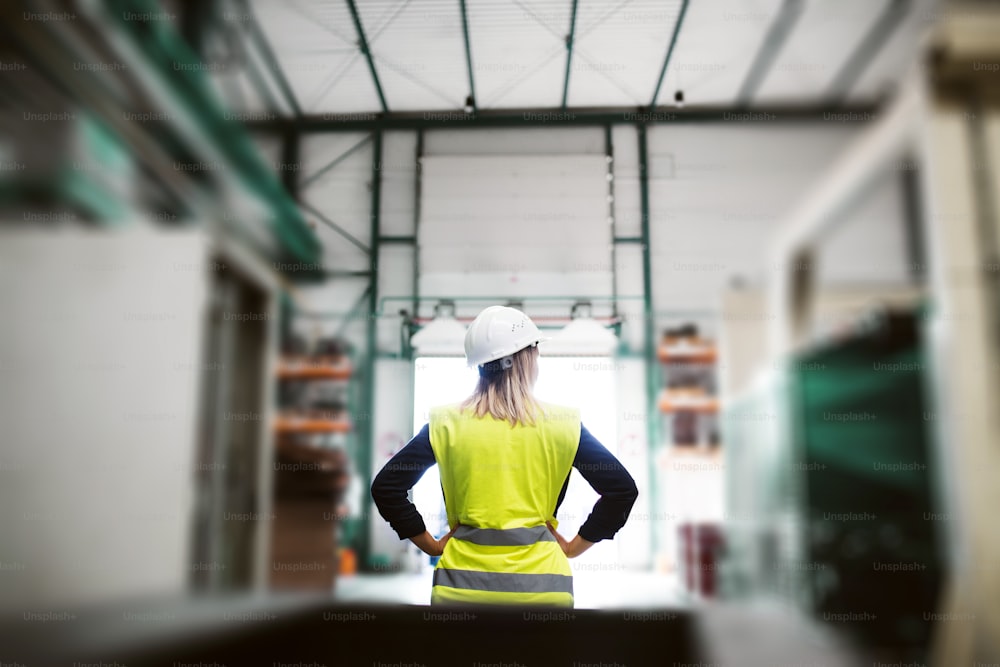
[961, 152]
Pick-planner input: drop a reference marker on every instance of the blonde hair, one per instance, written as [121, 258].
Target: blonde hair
[506, 393]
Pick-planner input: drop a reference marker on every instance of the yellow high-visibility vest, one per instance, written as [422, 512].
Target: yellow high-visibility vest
[500, 486]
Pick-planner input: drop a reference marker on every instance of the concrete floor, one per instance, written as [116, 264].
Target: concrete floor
[592, 590]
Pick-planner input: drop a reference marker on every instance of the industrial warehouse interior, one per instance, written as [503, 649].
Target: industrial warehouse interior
[244, 245]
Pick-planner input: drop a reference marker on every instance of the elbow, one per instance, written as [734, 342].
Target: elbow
[630, 491]
[633, 494]
[378, 488]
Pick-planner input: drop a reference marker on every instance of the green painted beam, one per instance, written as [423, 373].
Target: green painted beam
[569, 52]
[670, 52]
[179, 70]
[468, 55]
[363, 45]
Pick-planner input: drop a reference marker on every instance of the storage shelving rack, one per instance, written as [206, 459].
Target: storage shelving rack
[688, 407]
[313, 471]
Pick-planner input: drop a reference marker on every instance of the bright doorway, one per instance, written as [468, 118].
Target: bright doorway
[587, 383]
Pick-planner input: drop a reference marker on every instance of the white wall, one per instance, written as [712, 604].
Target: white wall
[718, 193]
[517, 225]
[101, 351]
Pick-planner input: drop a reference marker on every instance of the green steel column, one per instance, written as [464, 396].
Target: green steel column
[649, 347]
[368, 444]
[609, 152]
[417, 193]
[290, 153]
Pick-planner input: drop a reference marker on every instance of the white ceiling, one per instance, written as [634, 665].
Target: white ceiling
[519, 54]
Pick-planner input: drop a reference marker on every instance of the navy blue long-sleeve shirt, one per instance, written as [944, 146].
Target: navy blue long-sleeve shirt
[596, 464]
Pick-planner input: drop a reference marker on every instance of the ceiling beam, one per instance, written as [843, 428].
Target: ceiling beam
[873, 41]
[363, 45]
[468, 55]
[260, 85]
[670, 52]
[552, 116]
[569, 52]
[271, 60]
[775, 38]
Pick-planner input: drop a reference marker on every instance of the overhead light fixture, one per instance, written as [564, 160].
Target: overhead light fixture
[444, 336]
[580, 310]
[583, 336]
[470, 104]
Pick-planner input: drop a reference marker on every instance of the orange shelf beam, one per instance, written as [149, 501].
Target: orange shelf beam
[315, 371]
[311, 426]
[671, 401]
[700, 354]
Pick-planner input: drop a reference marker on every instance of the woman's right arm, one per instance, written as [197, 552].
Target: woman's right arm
[397, 477]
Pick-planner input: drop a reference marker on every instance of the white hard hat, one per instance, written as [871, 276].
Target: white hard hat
[497, 332]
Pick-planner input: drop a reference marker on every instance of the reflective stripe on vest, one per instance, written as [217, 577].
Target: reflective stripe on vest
[499, 537]
[504, 582]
